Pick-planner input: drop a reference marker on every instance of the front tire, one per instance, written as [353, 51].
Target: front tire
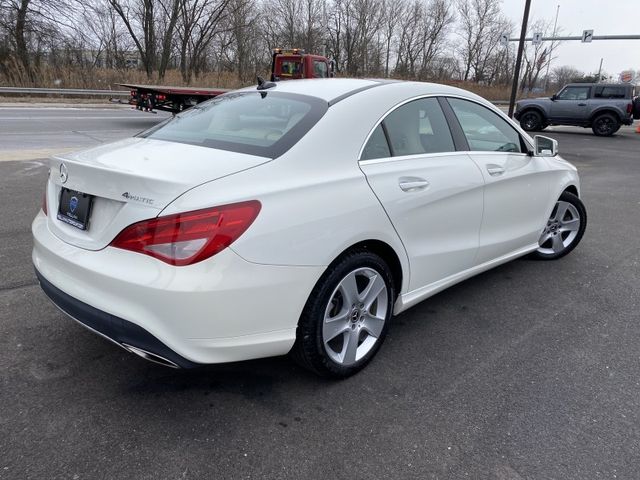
[564, 229]
[531, 121]
[605, 125]
[346, 317]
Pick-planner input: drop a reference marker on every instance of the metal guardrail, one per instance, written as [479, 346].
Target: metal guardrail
[65, 91]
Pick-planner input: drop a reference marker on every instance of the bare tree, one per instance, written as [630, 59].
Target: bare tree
[392, 12]
[151, 25]
[101, 29]
[200, 22]
[480, 23]
[245, 39]
[30, 24]
[423, 32]
[565, 74]
[537, 57]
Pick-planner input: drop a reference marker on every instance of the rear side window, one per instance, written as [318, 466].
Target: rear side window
[418, 127]
[377, 146]
[265, 124]
[290, 67]
[484, 129]
[610, 92]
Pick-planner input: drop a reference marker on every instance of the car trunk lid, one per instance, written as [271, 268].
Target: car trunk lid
[132, 180]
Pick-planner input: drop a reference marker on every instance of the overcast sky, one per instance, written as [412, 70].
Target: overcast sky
[604, 17]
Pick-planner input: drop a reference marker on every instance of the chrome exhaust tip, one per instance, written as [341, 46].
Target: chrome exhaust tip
[152, 357]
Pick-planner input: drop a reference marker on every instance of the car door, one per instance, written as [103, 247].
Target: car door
[516, 184]
[431, 192]
[571, 104]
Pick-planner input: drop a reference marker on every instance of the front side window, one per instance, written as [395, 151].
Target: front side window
[484, 129]
[266, 124]
[418, 127]
[574, 93]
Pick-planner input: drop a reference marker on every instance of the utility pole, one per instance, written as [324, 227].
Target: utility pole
[600, 71]
[546, 77]
[516, 73]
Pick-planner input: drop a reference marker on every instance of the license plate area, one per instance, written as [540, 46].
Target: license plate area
[75, 208]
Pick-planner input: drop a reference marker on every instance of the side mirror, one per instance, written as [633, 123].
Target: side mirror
[554, 97]
[545, 146]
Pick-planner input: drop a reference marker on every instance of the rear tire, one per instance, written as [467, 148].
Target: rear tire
[605, 125]
[346, 317]
[531, 121]
[563, 230]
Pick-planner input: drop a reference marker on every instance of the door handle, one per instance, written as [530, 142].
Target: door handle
[582, 104]
[495, 170]
[412, 184]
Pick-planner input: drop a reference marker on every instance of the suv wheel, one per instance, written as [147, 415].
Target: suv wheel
[605, 125]
[531, 121]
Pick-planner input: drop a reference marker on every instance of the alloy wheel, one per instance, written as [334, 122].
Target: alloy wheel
[605, 126]
[561, 229]
[530, 121]
[355, 316]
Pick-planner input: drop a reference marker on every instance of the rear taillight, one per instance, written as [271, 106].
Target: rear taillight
[190, 237]
[629, 108]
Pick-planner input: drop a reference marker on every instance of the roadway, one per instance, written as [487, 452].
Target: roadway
[28, 133]
[529, 371]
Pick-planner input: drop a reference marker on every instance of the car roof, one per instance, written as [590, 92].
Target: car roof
[578, 84]
[333, 90]
[327, 89]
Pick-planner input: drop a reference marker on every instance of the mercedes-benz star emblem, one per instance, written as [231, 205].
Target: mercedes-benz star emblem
[63, 173]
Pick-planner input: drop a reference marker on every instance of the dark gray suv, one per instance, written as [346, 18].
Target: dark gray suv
[601, 106]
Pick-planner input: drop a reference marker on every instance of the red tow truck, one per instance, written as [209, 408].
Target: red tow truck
[286, 64]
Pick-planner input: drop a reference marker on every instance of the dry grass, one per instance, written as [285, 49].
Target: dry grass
[107, 79]
[493, 92]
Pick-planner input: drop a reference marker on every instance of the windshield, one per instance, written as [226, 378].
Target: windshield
[265, 124]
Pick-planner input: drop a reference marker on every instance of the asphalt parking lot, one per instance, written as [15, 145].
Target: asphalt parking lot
[529, 371]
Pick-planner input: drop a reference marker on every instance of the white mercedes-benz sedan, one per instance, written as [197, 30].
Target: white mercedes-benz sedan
[296, 217]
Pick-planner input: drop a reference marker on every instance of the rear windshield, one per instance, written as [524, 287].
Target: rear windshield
[265, 124]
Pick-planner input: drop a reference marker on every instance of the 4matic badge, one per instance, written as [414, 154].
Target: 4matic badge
[136, 198]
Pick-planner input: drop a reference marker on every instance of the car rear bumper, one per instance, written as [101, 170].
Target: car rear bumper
[223, 309]
[128, 335]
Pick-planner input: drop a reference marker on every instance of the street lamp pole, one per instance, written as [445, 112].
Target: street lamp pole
[516, 73]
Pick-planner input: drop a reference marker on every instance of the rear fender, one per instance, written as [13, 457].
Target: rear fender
[613, 111]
